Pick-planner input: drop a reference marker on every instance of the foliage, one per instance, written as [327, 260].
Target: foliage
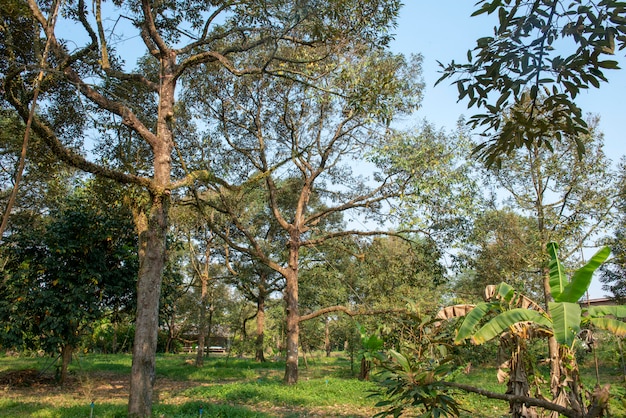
[440, 190]
[65, 274]
[565, 315]
[613, 273]
[411, 376]
[512, 316]
[500, 248]
[530, 54]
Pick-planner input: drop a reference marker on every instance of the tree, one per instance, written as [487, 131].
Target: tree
[441, 195]
[64, 274]
[256, 282]
[179, 38]
[501, 247]
[612, 273]
[549, 47]
[291, 144]
[567, 197]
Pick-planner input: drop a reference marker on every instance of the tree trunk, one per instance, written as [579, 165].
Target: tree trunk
[66, 358]
[364, 371]
[327, 346]
[293, 327]
[114, 337]
[260, 328]
[202, 328]
[553, 345]
[152, 233]
[209, 331]
[171, 331]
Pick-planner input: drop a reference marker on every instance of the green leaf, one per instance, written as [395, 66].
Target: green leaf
[616, 327]
[506, 319]
[565, 321]
[581, 279]
[618, 311]
[472, 319]
[558, 281]
[401, 360]
[505, 291]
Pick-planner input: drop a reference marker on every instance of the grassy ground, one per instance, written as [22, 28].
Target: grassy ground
[222, 388]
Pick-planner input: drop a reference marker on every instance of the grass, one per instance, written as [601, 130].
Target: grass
[226, 388]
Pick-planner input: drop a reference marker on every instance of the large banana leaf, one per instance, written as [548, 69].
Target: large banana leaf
[618, 311]
[565, 321]
[506, 319]
[558, 280]
[614, 326]
[505, 291]
[581, 279]
[472, 319]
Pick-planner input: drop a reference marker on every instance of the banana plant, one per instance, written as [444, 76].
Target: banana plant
[564, 317]
[517, 318]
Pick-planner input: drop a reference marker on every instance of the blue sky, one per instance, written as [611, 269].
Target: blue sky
[443, 30]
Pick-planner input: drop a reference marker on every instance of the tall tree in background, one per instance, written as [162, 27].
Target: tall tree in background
[444, 193]
[179, 37]
[293, 144]
[567, 196]
[501, 247]
[553, 48]
[613, 272]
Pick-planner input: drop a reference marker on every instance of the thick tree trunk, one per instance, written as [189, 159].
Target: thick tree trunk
[152, 233]
[293, 327]
[66, 358]
[260, 328]
[152, 247]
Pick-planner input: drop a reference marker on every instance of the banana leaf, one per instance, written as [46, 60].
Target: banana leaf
[472, 319]
[501, 323]
[566, 318]
[618, 311]
[614, 326]
[581, 279]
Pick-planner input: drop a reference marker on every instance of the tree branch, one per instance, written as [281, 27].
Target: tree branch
[348, 312]
[542, 403]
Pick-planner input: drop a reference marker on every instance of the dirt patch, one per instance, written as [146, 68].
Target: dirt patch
[100, 385]
[25, 378]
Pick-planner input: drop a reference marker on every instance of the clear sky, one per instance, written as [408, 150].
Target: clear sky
[443, 30]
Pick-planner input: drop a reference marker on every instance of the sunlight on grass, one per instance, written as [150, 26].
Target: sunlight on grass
[233, 387]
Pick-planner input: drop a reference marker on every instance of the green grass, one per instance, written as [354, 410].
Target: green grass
[233, 387]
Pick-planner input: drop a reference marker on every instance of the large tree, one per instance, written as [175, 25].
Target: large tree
[247, 37]
[293, 144]
[568, 198]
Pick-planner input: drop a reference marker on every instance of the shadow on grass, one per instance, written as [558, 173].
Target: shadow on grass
[103, 410]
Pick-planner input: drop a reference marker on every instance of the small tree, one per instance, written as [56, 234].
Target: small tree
[66, 275]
